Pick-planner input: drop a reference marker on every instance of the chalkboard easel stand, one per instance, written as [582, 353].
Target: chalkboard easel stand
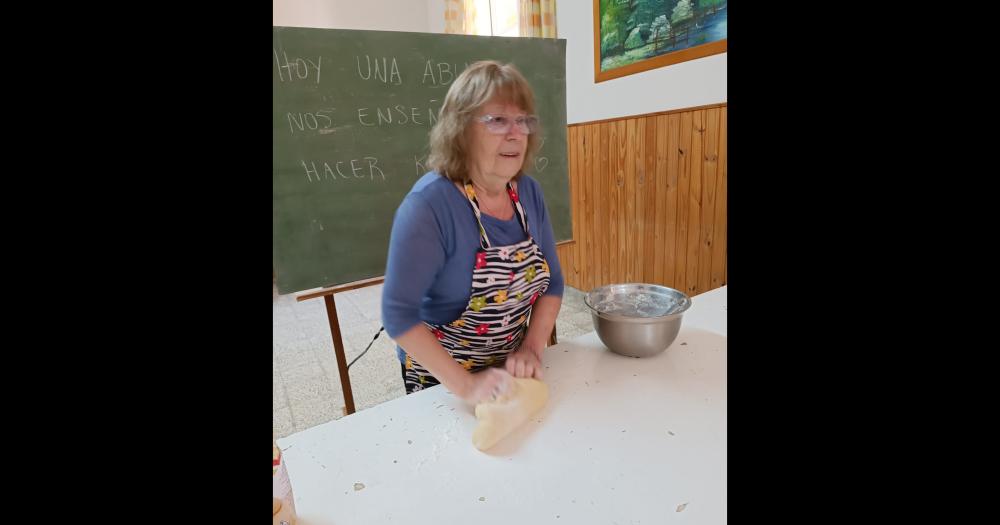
[338, 341]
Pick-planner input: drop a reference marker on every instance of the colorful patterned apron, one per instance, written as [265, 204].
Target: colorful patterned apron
[506, 282]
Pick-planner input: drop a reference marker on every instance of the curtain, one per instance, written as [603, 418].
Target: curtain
[537, 18]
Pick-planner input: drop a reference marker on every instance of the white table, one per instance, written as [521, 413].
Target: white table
[621, 441]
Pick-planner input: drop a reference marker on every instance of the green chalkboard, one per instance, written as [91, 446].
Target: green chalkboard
[352, 115]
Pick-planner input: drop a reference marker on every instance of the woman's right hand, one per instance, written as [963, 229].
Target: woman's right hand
[487, 385]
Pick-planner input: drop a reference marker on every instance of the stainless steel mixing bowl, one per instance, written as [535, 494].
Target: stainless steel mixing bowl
[636, 319]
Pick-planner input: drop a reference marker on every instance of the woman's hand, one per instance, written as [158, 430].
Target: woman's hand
[525, 362]
[486, 385]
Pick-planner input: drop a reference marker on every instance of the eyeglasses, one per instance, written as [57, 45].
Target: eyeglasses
[501, 125]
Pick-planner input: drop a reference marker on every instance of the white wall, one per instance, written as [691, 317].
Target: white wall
[380, 15]
[435, 16]
[692, 83]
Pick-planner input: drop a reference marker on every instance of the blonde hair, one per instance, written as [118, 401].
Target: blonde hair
[476, 86]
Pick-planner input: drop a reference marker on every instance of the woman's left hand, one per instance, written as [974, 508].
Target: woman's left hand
[524, 362]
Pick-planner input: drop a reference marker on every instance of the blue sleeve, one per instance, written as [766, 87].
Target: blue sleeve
[416, 255]
[547, 241]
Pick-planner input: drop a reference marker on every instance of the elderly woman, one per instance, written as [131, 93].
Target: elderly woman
[472, 258]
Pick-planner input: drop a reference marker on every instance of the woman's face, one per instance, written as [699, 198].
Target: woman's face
[497, 158]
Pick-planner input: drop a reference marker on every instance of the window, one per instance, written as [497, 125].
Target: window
[496, 17]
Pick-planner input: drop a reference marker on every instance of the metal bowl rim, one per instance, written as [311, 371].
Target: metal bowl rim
[685, 304]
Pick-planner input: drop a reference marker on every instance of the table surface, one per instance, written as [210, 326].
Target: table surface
[621, 440]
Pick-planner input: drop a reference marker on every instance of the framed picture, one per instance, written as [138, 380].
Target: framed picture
[638, 35]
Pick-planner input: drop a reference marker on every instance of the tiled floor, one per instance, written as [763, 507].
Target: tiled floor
[306, 383]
